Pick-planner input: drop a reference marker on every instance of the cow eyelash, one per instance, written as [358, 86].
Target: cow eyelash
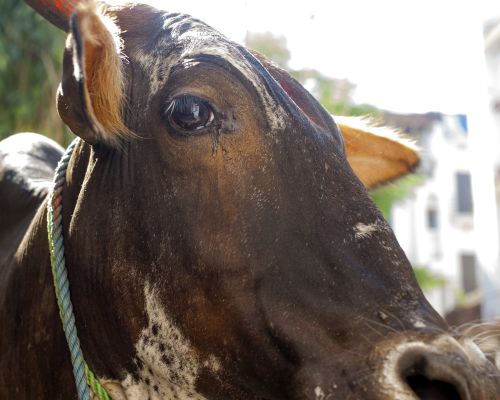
[189, 114]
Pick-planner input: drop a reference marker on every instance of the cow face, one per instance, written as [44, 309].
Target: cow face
[215, 217]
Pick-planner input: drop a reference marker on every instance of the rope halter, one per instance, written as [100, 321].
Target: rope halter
[85, 379]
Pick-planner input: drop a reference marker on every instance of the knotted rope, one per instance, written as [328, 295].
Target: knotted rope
[84, 377]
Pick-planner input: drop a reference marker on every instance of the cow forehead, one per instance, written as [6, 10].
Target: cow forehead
[181, 38]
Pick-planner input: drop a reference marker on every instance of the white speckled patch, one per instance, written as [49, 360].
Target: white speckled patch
[318, 392]
[363, 231]
[168, 364]
[419, 323]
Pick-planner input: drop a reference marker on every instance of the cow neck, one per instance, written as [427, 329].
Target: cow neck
[85, 379]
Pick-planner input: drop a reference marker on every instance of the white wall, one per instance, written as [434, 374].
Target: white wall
[439, 249]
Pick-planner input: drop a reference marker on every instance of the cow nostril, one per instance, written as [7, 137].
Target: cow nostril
[424, 387]
[427, 389]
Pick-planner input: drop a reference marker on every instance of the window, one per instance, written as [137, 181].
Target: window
[469, 278]
[432, 218]
[462, 120]
[464, 193]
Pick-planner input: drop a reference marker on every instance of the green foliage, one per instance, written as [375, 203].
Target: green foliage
[427, 279]
[30, 70]
[273, 47]
[386, 196]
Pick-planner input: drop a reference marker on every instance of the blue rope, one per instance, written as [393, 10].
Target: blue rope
[83, 375]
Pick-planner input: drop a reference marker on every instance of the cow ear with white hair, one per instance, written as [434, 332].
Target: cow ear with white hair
[91, 95]
[377, 155]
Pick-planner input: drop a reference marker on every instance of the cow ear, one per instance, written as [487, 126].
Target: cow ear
[91, 95]
[377, 155]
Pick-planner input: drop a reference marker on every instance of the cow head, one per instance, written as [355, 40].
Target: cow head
[220, 245]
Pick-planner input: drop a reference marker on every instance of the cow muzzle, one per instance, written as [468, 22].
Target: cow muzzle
[443, 369]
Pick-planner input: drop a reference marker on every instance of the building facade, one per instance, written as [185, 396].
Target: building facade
[435, 224]
[450, 224]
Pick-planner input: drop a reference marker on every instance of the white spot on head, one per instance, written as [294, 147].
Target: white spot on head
[418, 323]
[168, 366]
[320, 395]
[363, 231]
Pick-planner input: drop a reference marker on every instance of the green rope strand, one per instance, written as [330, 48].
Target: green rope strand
[95, 385]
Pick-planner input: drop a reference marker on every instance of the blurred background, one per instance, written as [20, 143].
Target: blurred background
[428, 68]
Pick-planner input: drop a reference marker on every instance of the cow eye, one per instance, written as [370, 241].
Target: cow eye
[189, 113]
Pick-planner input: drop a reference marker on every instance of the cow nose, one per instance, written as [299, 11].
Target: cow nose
[441, 370]
[431, 376]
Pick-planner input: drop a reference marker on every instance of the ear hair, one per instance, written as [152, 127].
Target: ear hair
[98, 69]
[377, 155]
[367, 124]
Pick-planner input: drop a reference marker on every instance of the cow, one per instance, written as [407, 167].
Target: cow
[219, 237]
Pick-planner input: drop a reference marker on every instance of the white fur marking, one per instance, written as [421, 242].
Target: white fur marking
[419, 323]
[320, 395]
[363, 231]
[168, 365]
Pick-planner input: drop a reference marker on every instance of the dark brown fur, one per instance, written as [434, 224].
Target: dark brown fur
[247, 230]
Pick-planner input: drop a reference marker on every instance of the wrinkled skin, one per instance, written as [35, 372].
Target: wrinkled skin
[243, 235]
